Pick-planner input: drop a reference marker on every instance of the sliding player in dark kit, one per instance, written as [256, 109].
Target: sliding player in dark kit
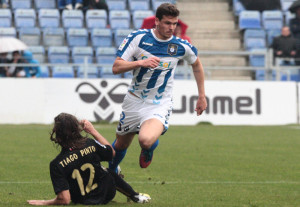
[76, 173]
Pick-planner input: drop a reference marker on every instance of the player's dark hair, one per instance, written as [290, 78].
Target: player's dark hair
[67, 132]
[166, 9]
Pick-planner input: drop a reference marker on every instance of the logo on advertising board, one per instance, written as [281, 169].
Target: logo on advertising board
[103, 97]
[224, 104]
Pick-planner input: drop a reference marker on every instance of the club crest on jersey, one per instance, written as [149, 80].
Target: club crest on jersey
[172, 49]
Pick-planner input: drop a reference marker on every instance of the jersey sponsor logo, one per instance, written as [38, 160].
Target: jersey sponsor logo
[165, 65]
[148, 44]
[161, 64]
[123, 44]
[172, 49]
[102, 97]
[144, 56]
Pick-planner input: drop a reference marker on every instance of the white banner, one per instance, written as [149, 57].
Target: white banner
[229, 102]
[237, 103]
[40, 100]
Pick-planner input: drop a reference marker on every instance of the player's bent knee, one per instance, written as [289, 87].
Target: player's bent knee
[146, 143]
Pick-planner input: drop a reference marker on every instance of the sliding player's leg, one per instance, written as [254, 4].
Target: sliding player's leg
[123, 187]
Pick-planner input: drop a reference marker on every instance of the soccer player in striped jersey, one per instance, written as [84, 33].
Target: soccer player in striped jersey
[152, 56]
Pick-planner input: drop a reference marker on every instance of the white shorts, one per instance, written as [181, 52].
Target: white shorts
[135, 111]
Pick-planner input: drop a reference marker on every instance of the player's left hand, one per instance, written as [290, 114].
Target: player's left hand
[201, 105]
[36, 202]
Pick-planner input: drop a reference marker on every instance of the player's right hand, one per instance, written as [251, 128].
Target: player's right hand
[87, 126]
[151, 62]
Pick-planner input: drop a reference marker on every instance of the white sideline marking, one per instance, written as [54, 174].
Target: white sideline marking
[222, 182]
[24, 182]
[294, 127]
[175, 182]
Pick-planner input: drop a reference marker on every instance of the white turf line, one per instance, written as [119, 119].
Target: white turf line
[176, 182]
[294, 127]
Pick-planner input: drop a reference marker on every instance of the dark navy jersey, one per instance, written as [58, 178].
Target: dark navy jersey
[80, 172]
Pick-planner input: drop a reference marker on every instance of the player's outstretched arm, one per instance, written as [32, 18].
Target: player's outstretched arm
[121, 66]
[199, 77]
[62, 198]
[89, 128]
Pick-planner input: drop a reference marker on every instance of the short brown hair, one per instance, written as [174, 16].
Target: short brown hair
[67, 132]
[167, 9]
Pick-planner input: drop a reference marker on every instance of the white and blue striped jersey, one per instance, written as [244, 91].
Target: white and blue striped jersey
[154, 85]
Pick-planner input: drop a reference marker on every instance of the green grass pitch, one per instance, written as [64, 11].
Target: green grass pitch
[209, 166]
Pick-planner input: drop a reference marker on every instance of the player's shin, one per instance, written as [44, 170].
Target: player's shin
[147, 155]
[153, 147]
[122, 185]
[120, 154]
[124, 188]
